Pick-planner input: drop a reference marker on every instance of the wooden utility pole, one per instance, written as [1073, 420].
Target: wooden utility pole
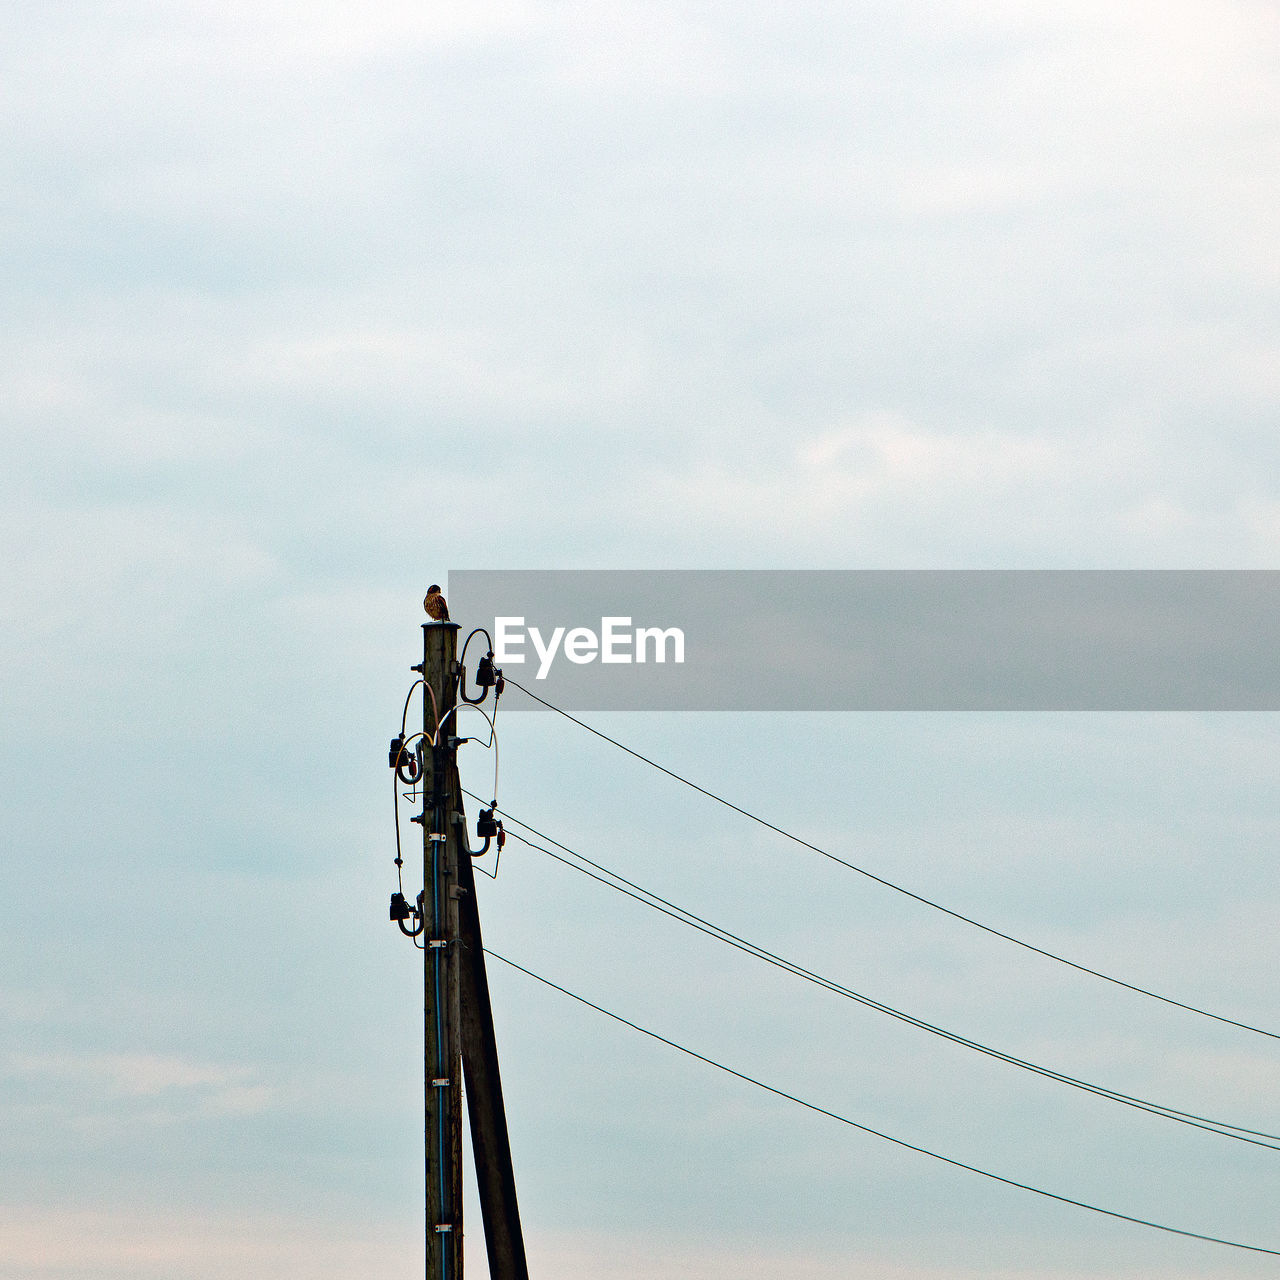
[458, 1035]
[442, 1047]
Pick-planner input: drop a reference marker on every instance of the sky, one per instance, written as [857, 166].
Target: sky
[305, 306]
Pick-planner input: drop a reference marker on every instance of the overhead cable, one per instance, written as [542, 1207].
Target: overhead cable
[897, 888]
[656, 902]
[876, 1133]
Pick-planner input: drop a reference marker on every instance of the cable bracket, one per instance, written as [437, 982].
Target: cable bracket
[440, 1084]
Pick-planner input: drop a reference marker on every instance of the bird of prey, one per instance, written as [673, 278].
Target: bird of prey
[434, 604]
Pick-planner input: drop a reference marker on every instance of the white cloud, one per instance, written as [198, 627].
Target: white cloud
[642, 1258]
[970, 283]
[186, 1087]
[57, 1242]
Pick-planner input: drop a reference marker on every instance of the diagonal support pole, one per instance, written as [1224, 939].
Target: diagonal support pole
[490, 1143]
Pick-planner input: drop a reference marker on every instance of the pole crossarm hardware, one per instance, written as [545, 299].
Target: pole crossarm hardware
[458, 1035]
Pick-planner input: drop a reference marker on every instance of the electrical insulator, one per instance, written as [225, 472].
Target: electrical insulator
[399, 907]
[486, 824]
[485, 675]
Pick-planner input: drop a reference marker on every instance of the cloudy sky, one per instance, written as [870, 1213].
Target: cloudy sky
[306, 305]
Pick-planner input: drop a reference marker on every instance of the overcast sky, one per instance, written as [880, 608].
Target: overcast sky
[306, 305]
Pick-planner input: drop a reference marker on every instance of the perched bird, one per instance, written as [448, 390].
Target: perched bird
[434, 604]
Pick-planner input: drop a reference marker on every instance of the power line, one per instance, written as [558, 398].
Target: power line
[656, 902]
[1224, 1128]
[876, 1133]
[897, 888]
